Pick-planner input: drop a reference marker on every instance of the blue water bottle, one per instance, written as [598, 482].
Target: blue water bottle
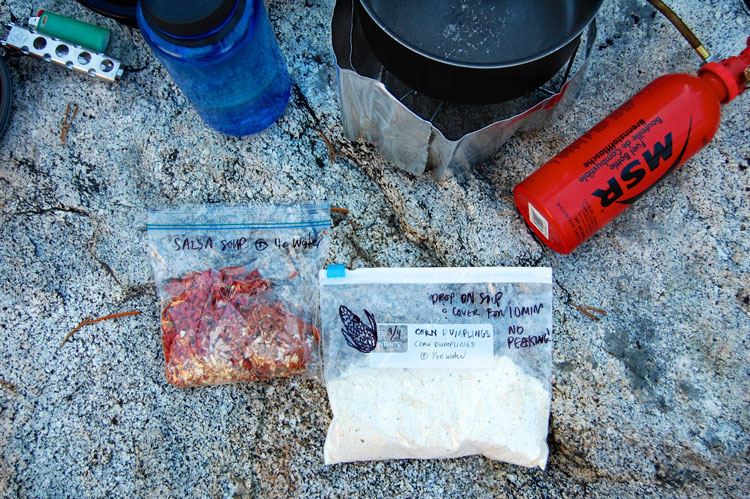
[224, 57]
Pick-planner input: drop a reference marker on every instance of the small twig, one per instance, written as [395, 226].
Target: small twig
[587, 314]
[332, 156]
[9, 386]
[66, 124]
[594, 309]
[89, 320]
[345, 212]
[586, 310]
[510, 199]
[115, 316]
[85, 321]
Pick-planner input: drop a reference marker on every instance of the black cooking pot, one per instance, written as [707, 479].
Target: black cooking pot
[474, 51]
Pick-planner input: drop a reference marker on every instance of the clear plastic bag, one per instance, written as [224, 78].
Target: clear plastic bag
[237, 290]
[438, 363]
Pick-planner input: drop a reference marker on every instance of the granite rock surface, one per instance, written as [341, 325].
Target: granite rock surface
[650, 400]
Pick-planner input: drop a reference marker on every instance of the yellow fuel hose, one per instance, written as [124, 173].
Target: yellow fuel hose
[682, 28]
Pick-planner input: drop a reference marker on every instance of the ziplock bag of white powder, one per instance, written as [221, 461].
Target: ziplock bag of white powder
[437, 363]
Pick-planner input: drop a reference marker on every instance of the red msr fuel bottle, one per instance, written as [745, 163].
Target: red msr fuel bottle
[621, 158]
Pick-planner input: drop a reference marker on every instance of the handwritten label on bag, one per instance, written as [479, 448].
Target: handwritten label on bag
[216, 243]
[460, 346]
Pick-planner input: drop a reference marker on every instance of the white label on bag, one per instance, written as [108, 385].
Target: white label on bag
[459, 346]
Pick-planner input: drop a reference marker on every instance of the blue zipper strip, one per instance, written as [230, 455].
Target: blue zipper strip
[280, 225]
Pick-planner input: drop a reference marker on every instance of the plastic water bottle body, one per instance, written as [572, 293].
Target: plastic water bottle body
[239, 83]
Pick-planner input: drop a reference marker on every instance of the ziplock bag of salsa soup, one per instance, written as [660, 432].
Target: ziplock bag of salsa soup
[237, 290]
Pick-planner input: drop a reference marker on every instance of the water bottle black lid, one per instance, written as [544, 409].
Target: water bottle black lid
[189, 18]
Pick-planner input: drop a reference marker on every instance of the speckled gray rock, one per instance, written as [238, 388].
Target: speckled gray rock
[652, 399]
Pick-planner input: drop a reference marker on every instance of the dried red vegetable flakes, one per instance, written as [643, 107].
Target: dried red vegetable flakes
[224, 326]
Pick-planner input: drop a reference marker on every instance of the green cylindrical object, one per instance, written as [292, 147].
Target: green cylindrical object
[84, 34]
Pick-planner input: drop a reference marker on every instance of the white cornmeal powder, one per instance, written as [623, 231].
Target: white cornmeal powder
[501, 413]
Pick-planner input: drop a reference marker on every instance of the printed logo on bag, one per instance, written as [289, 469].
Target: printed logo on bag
[357, 334]
[394, 338]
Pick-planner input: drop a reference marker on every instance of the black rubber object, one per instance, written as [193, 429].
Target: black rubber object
[6, 97]
[474, 51]
[178, 20]
[123, 11]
